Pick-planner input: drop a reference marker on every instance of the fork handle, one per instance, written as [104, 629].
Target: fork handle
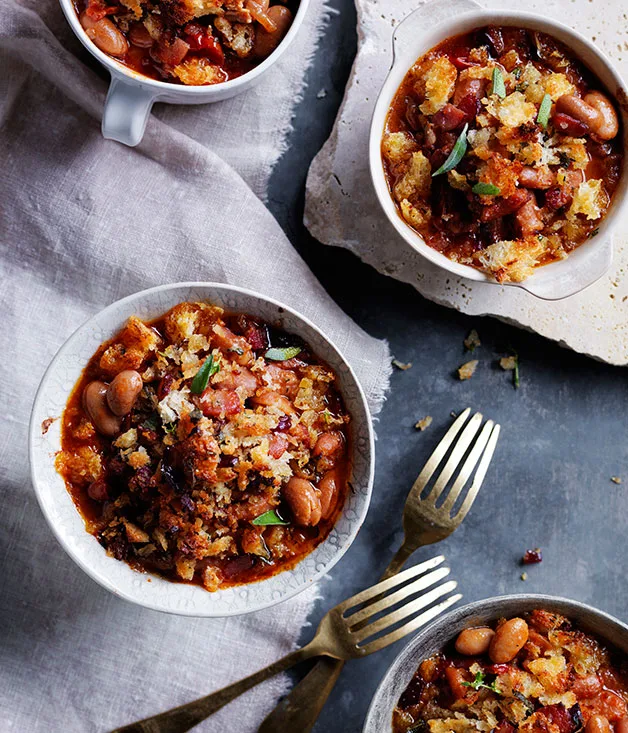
[192, 713]
[300, 709]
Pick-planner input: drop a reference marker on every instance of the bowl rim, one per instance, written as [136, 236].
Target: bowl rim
[457, 617]
[165, 88]
[35, 456]
[405, 59]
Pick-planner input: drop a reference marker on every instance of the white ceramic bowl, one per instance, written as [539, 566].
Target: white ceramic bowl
[416, 35]
[447, 627]
[131, 95]
[147, 589]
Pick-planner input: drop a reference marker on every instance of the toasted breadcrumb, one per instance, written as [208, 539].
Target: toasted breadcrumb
[424, 423]
[472, 341]
[466, 371]
[508, 363]
[616, 479]
[401, 365]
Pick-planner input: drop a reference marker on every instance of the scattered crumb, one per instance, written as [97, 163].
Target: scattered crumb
[472, 341]
[530, 557]
[616, 479]
[511, 364]
[322, 94]
[453, 414]
[524, 576]
[466, 371]
[401, 365]
[424, 423]
[507, 363]
[45, 426]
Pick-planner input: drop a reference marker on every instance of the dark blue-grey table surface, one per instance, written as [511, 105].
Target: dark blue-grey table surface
[563, 431]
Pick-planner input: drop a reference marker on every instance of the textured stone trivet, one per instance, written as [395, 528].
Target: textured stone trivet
[341, 208]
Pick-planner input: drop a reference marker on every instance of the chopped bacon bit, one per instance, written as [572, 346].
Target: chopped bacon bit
[278, 445]
[505, 206]
[98, 9]
[220, 402]
[559, 716]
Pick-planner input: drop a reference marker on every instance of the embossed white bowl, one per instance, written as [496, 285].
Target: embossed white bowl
[147, 589]
[439, 633]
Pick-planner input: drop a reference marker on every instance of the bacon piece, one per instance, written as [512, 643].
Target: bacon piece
[220, 402]
[505, 206]
[559, 716]
[170, 54]
[529, 218]
[278, 445]
[449, 118]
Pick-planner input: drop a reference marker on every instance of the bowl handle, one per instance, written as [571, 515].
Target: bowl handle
[577, 276]
[427, 16]
[126, 112]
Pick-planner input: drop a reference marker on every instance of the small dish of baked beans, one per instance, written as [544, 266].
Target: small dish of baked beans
[502, 150]
[534, 673]
[190, 42]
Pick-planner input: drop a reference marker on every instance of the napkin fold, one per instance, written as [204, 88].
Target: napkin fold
[83, 222]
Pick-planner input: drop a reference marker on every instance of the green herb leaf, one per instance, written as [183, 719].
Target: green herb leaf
[516, 72]
[594, 232]
[283, 353]
[499, 88]
[479, 683]
[486, 189]
[456, 155]
[170, 428]
[269, 518]
[544, 111]
[203, 375]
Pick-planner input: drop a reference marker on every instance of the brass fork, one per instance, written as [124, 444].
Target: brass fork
[428, 517]
[361, 625]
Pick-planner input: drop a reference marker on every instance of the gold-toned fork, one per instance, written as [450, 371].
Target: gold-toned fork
[430, 515]
[361, 625]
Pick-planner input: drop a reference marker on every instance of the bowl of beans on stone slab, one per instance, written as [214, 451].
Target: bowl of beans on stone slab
[497, 147]
[519, 663]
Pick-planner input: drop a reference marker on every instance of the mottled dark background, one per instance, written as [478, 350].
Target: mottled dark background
[563, 431]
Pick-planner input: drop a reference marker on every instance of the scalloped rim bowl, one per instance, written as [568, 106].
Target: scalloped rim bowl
[424, 29]
[435, 636]
[151, 590]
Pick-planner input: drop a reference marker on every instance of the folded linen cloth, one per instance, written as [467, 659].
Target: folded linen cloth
[83, 222]
[342, 209]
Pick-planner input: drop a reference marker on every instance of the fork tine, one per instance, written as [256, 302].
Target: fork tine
[457, 454]
[439, 452]
[376, 590]
[422, 582]
[408, 609]
[479, 475]
[416, 623]
[468, 466]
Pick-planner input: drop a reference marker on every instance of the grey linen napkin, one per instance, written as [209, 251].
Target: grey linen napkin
[84, 222]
